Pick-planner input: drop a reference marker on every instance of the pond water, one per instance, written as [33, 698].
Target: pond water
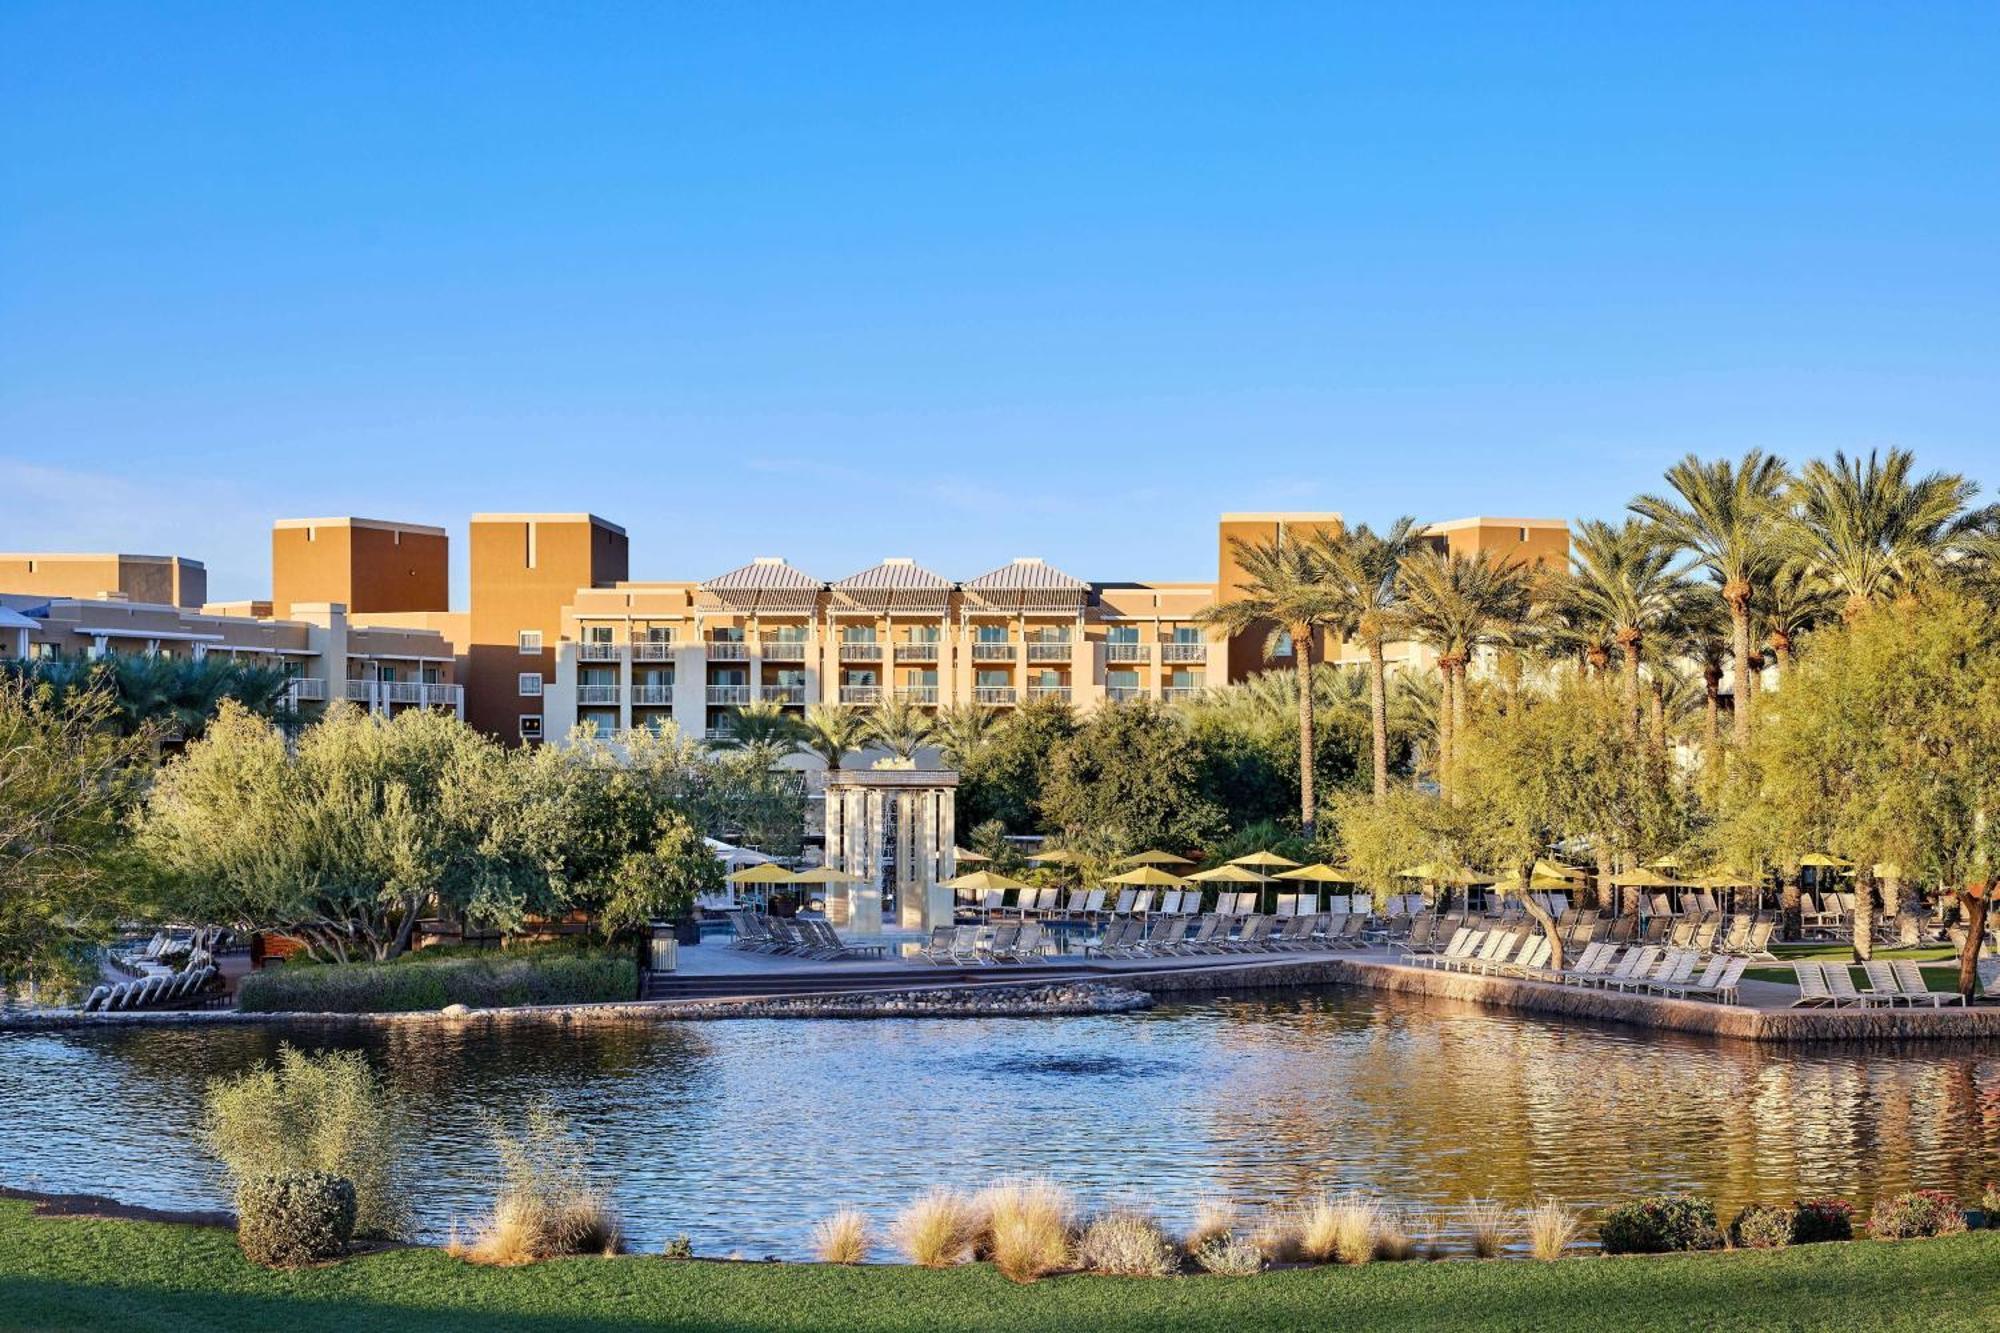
[741, 1134]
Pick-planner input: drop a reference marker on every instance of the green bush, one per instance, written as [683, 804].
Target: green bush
[1660, 1224]
[1762, 1227]
[285, 1221]
[1918, 1213]
[492, 981]
[1815, 1220]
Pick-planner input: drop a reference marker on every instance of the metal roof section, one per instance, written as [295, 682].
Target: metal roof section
[1026, 583]
[766, 585]
[898, 584]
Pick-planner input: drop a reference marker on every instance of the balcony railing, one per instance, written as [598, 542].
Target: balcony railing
[1046, 651]
[1048, 691]
[719, 734]
[1125, 652]
[785, 694]
[363, 690]
[1185, 691]
[598, 652]
[860, 652]
[861, 694]
[721, 650]
[654, 695]
[918, 694]
[305, 687]
[992, 652]
[1120, 694]
[597, 694]
[1184, 652]
[729, 694]
[438, 695]
[653, 650]
[993, 694]
[916, 652]
[789, 651]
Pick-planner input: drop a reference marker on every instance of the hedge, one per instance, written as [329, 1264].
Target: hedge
[479, 983]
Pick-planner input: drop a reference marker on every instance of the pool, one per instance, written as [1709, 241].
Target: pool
[741, 1134]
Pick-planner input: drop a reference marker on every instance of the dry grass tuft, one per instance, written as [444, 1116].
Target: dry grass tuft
[1489, 1226]
[549, 1204]
[1227, 1256]
[1028, 1224]
[1343, 1230]
[1127, 1244]
[937, 1230]
[1552, 1228]
[1427, 1229]
[1393, 1242]
[1212, 1218]
[843, 1238]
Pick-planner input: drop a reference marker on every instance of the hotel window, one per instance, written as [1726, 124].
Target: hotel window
[431, 676]
[1121, 680]
[987, 680]
[789, 678]
[597, 634]
[729, 675]
[1050, 634]
[531, 726]
[531, 684]
[1187, 634]
[1283, 647]
[386, 674]
[529, 641]
[1183, 679]
[858, 676]
[1122, 634]
[1048, 678]
[926, 634]
[726, 634]
[785, 634]
[991, 634]
[659, 634]
[858, 634]
[600, 676]
[915, 678]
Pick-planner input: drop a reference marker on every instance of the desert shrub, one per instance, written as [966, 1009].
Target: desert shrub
[1339, 1230]
[1229, 1256]
[1027, 1226]
[1552, 1228]
[677, 1247]
[328, 1112]
[937, 1229]
[1660, 1224]
[1212, 1218]
[489, 981]
[1762, 1227]
[303, 1217]
[550, 1203]
[1126, 1244]
[842, 1238]
[1917, 1213]
[1816, 1220]
[1488, 1226]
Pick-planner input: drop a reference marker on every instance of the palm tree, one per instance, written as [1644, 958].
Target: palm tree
[1367, 569]
[1871, 531]
[1415, 707]
[1458, 604]
[1623, 588]
[901, 727]
[1731, 517]
[1794, 602]
[1703, 638]
[1286, 593]
[833, 731]
[962, 730]
[763, 728]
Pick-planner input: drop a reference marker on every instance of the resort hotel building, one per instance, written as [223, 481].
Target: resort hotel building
[556, 634]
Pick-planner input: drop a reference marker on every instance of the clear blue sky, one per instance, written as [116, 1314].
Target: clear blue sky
[956, 282]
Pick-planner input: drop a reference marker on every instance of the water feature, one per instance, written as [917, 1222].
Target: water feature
[741, 1134]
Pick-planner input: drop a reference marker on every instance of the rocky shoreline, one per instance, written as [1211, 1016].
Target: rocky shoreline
[1060, 1000]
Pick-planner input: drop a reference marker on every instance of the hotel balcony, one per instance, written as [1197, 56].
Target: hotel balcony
[861, 694]
[733, 695]
[721, 650]
[362, 691]
[305, 687]
[719, 734]
[916, 652]
[1184, 652]
[1125, 652]
[860, 652]
[993, 694]
[1048, 692]
[652, 650]
[1122, 694]
[1050, 652]
[789, 651]
[918, 694]
[653, 695]
[599, 652]
[597, 694]
[993, 652]
[784, 694]
[1174, 692]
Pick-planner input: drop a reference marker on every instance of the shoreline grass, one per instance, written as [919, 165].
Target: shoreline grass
[74, 1272]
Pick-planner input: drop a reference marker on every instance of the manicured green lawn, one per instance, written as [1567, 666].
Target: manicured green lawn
[1940, 962]
[61, 1273]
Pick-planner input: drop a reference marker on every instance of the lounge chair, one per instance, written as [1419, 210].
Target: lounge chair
[1840, 984]
[1636, 962]
[1166, 939]
[1813, 990]
[1113, 942]
[1710, 975]
[1595, 961]
[830, 945]
[1253, 936]
[1533, 958]
[939, 949]
[1918, 989]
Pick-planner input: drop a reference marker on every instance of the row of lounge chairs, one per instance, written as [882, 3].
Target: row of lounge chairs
[160, 990]
[1890, 983]
[1220, 933]
[1682, 973]
[801, 937]
[1091, 905]
[965, 945]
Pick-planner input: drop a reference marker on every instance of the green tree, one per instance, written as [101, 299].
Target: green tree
[1128, 780]
[1623, 588]
[1871, 530]
[1457, 605]
[834, 731]
[901, 726]
[1367, 567]
[1003, 779]
[165, 697]
[963, 730]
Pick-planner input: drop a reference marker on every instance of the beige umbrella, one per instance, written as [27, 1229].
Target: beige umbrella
[1320, 873]
[1665, 863]
[982, 881]
[1642, 878]
[1155, 858]
[1151, 877]
[1265, 859]
[970, 858]
[767, 872]
[1825, 861]
[827, 875]
[1227, 874]
[1060, 856]
[1555, 870]
[1724, 876]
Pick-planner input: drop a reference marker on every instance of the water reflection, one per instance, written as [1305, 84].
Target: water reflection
[740, 1134]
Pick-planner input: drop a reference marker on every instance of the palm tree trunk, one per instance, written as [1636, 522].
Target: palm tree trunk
[1378, 708]
[1302, 665]
[1864, 913]
[1631, 674]
[1444, 728]
[1656, 705]
[1739, 644]
[1892, 895]
[1607, 896]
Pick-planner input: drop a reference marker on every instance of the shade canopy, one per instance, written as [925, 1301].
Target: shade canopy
[1825, 861]
[1155, 858]
[970, 858]
[984, 881]
[1060, 856]
[1431, 870]
[1265, 859]
[1665, 863]
[1227, 874]
[1320, 873]
[1642, 878]
[828, 875]
[1724, 876]
[1148, 877]
[765, 872]
[1553, 870]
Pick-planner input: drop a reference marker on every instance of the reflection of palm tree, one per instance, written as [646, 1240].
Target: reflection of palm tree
[1730, 516]
[833, 731]
[1286, 589]
[901, 727]
[1872, 531]
[1366, 567]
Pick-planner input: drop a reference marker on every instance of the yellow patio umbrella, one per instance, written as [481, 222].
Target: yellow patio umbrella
[1445, 874]
[1888, 870]
[1155, 858]
[827, 875]
[1060, 856]
[1227, 874]
[1724, 876]
[764, 872]
[1150, 877]
[1825, 861]
[970, 858]
[1263, 859]
[984, 881]
[1669, 862]
[1320, 873]
[1642, 878]
[1553, 870]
